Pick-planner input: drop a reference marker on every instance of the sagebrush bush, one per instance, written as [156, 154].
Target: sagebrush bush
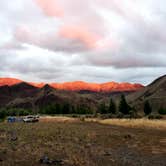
[155, 117]
[162, 111]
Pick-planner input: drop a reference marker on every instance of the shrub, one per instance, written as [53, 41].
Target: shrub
[155, 117]
[107, 116]
[162, 111]
[133, 113]
[75, 116]
[82, 118]
[120, 115]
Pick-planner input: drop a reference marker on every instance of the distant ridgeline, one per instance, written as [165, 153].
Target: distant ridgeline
[79, 85]
[21, 98]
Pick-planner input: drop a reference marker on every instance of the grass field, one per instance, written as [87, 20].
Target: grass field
[82, 143]
[136, 123]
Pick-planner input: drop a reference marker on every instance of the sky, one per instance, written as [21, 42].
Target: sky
[88, 40]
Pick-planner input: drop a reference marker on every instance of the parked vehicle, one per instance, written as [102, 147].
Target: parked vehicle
[31, 119]
[14, 119]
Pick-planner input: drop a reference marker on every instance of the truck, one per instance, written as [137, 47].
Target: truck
[31, 119]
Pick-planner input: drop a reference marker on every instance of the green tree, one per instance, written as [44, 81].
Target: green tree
[73, 109]
[58, 108]
[15, 112]
[49, 109]
[81, 109]
[123, 106]
[147, 108]
[18, 112]
[66, 108]
[112, 107]
[2, 114]
[103, 108]
[162, 111]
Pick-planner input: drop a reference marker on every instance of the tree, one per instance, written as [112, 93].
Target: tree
[58, 108]
[147, 108]
[103, 109]
[73, 109]
[2, 114]
[162, 111]
[112, 107]
[82, 109]
[123, 106]
[49, 109]
[66, 108]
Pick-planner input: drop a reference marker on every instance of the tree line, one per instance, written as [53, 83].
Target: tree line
[4, 112]
[66, 108]
[125, 108]
[50, 109]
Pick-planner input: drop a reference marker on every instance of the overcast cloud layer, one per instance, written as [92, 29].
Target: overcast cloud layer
[90, 40]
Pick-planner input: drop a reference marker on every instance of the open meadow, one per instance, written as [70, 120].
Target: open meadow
[75, 142]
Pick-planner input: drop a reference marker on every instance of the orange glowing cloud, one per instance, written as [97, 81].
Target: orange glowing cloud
[50, 8]
[80, 33]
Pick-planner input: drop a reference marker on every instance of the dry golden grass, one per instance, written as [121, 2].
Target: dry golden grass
[133, 123]
[136, 123]
[57, 119]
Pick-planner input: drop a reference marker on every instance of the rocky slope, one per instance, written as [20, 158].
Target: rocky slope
[155, 93]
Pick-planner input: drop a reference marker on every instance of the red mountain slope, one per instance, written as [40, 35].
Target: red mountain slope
[105, 87]
[80, 85]
[9, 81]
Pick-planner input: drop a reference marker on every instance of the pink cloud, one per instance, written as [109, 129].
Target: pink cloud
[81, 34]
[22, 33]
[50, 8]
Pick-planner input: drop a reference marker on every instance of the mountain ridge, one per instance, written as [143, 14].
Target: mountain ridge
[25, 95]
[79, 85]
[155, 93]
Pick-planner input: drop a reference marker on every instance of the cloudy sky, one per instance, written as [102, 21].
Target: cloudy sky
[89, 40]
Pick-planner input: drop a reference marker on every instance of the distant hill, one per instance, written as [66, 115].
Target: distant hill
[79, 85]
[19, 94]
[36, 96]
[9, 81]
[155, 93]
[24, 95]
